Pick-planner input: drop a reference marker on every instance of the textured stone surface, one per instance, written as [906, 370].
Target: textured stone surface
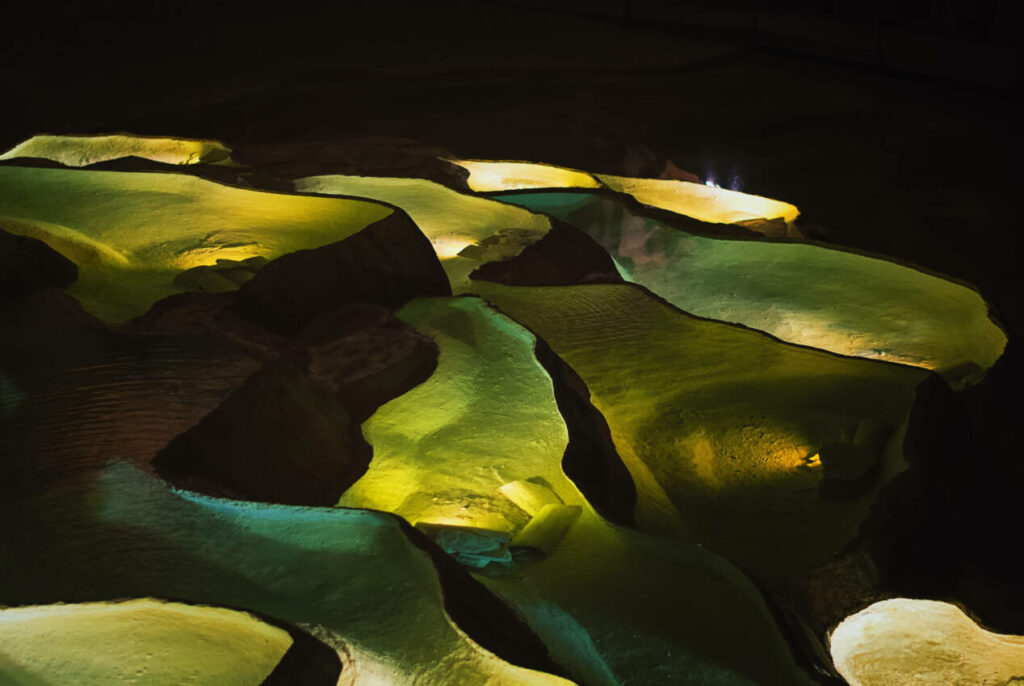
[140, 641]
[564, 256]
[590, 458]
[77, 394]
[387, 263]
[718, 425]
[366, 356]
[445, 454]
[352, 576]
[278, 438]
[927, 642]
[807, 294]
[131, 233]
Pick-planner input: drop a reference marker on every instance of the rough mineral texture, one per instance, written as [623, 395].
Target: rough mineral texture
[277, 438]
[388, 263]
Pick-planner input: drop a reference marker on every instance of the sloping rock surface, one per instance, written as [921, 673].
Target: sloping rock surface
[277, 438]
[563, 257]
[387, 263]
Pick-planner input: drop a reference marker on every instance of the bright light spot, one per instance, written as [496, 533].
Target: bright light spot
[707, 202]
[448, 247]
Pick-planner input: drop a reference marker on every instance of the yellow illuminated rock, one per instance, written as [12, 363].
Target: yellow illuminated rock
[131, 234]
[79, 151]
[803, 293]
[531, 496]
[460, 449]
[547, 528]
[706, 203]
[487, 176]
[719, 425]
[481, 230]
[142, 642]
[926, 643]
[427, 465]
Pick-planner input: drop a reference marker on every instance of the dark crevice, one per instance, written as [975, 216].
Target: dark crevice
[307, 662]
[483, 616]
[590, 458]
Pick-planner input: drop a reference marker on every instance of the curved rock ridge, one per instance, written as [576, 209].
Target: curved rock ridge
[225, 407]
[474, 457]
[143, 642]
[563, 257]
[703, 202]
[767, 453]
[81, 151]
[351, 577]
[487, 176]
[86, 394]
[590, 459]
[927, 642]
[365, 156]
[466, 231]
[131, 234]
[803, 293]
[277, 438]
[77, 392]
[366, 356]
[387, 263]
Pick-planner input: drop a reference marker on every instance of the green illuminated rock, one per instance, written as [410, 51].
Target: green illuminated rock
[144, 642]
[132, 234]
[462, 449]
[803, 293]
[466, 231]
[355, 579]
[722, 427]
